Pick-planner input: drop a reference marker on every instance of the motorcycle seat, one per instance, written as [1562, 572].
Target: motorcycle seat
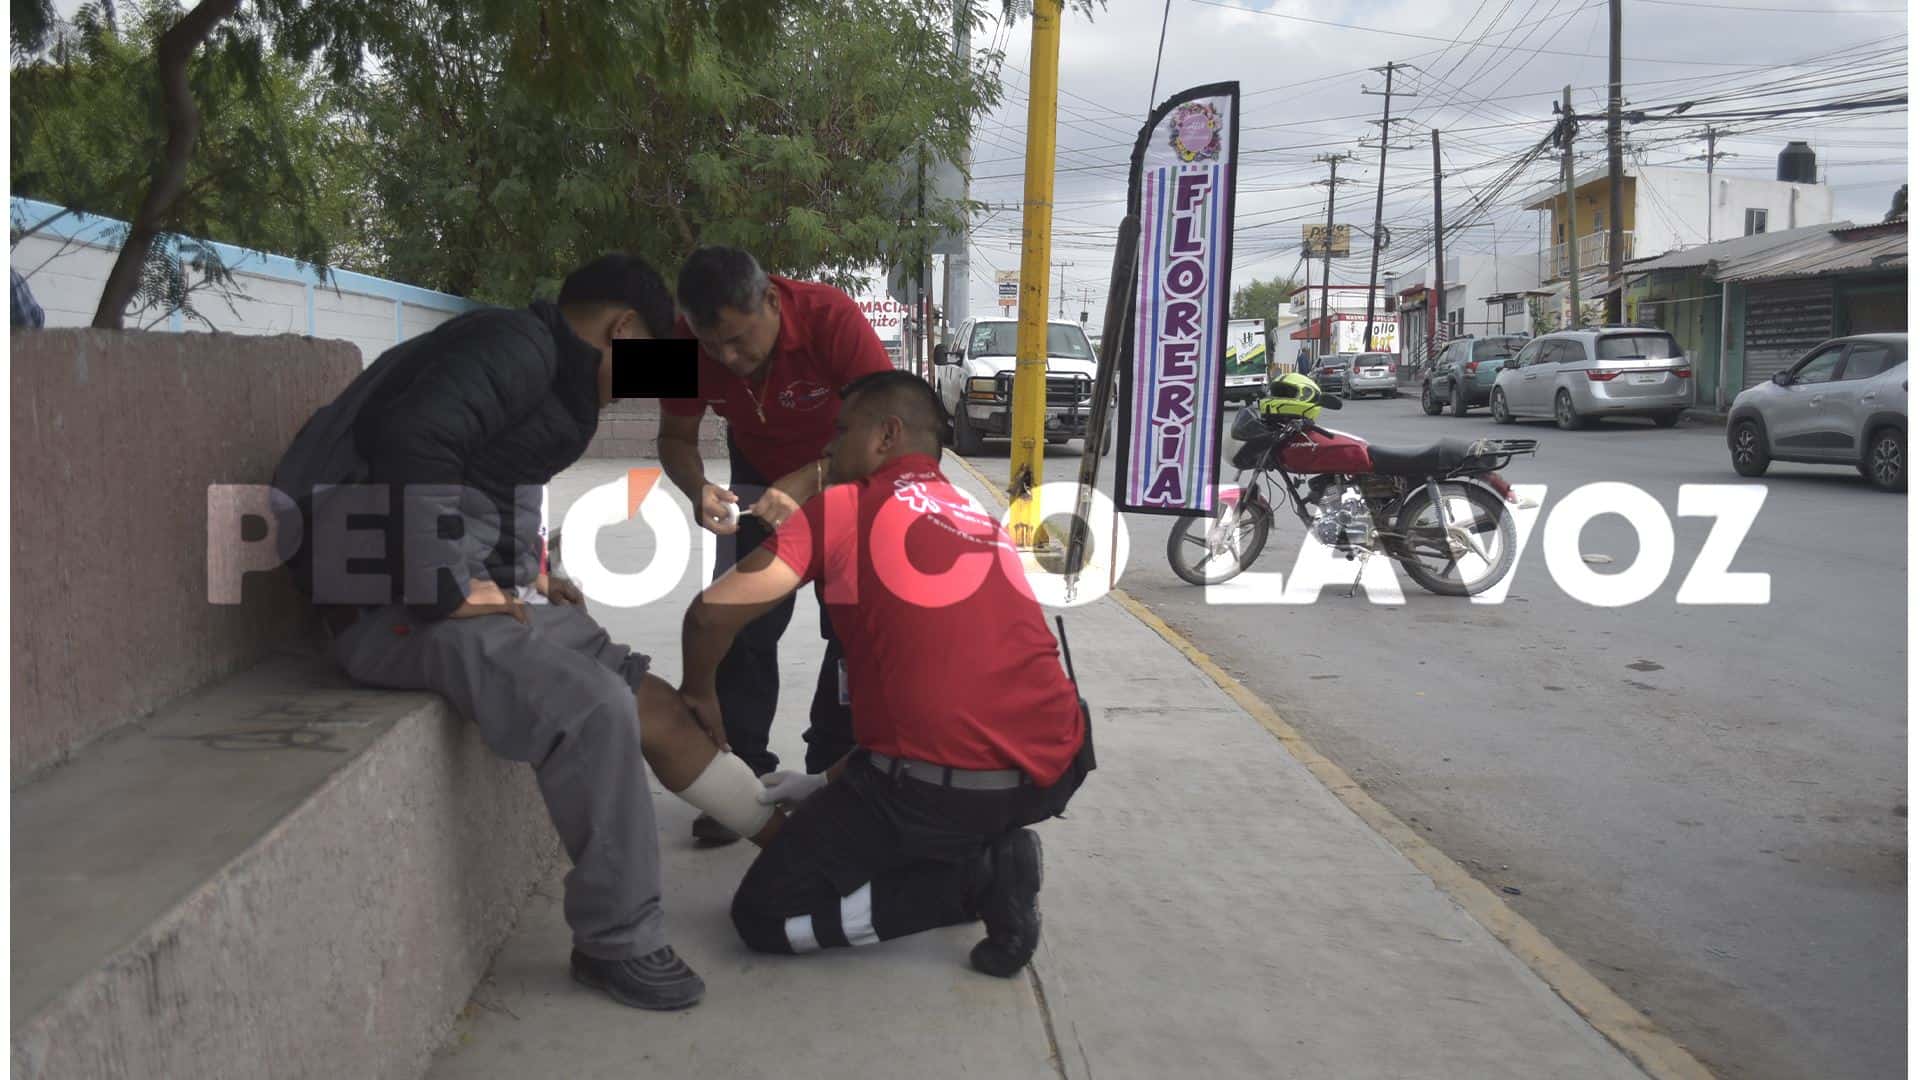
[1430, 460]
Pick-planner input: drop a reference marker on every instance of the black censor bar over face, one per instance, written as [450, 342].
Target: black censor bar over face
[655, 368]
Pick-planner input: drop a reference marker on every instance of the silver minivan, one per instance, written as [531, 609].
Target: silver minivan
[1577, 375]
[1373, 373]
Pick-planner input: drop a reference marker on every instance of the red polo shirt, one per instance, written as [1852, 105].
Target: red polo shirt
[949, 658]
[787, 421]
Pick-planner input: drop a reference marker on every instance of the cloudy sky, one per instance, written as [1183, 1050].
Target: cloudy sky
[1486, 74]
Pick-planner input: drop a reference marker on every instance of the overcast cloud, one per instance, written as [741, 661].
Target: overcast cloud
[1301, 84]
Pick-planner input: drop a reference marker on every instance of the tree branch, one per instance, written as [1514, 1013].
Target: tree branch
[175, 50]
[35, 229]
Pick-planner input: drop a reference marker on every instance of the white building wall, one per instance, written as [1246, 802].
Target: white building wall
[66, 266]
[367, 321]
[1473, 277]
[1343, 299]
[1672, 207]
[66, 279]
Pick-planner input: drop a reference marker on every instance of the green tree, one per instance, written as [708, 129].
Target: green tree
[269, 172]
[1261, 298]
[794, 151]
[558, 50]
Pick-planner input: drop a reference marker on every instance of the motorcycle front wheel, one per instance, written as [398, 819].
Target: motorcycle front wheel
[1467, 554]
[1210, 550]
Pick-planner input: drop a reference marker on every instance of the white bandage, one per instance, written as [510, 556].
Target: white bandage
[728, 792]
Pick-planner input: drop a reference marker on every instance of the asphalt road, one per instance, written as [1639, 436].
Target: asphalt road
[1705, 805]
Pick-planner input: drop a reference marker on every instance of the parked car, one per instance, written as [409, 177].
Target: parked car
[1331, 372]
[975, 379]
[1577, 375]
[1373, 373]
[1462, 376]
[1844, 403]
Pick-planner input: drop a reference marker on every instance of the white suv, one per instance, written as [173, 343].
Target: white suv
[974, 376]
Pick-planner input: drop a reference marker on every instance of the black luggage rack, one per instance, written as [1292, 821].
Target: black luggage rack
[1499, 453]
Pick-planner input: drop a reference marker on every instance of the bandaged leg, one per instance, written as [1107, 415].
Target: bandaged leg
[728, 791]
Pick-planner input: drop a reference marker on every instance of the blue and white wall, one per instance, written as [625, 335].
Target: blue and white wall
[66, 265]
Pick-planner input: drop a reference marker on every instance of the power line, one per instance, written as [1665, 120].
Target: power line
[1788, 10]
[1153, 95]
[1430, 37]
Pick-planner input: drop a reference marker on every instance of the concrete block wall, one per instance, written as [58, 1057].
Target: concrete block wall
[116, 436]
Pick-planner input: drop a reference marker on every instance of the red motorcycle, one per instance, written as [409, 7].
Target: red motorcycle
[1440, 511]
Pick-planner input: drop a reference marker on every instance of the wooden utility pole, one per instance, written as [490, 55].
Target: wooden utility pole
[1306, 259]
[1616, 181]
[1036, 246]
[1438, 306]
[1332, 162]
[1712, 155]
[917, 358]
[1570, 226]
[1379, 202]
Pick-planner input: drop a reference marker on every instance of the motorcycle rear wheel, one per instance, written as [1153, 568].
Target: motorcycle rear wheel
[1477, 515]
[1193, 563]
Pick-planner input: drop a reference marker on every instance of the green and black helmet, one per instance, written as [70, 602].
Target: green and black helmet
[1291, 395]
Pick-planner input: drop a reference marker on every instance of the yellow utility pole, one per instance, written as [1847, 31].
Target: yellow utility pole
[1036, 249]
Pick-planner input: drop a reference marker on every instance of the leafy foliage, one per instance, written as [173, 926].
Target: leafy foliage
[794, 150]
[87, 126]
[485, 147]
[1261, 297]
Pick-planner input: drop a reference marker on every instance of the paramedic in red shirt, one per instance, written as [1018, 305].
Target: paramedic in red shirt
[773, 355]
[966, 727]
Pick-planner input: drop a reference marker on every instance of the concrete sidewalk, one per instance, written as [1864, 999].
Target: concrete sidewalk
[1211, 909]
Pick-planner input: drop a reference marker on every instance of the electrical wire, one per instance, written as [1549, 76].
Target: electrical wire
[1153, 95]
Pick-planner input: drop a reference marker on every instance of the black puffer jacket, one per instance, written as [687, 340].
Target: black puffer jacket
[489, 405]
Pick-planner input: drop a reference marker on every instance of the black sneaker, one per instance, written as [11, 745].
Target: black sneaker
[711, 833]
[1011, 909]
[659, 980]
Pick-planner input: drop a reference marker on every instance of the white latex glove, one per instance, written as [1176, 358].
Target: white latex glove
[789, 787]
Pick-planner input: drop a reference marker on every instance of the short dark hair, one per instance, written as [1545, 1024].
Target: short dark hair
[907, 396]
[717, 277]
[621, 281]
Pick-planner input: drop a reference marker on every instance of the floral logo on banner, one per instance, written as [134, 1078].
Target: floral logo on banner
[1196, 132]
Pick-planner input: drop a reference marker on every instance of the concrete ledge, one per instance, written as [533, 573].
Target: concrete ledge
[281, 875]
[116, 437]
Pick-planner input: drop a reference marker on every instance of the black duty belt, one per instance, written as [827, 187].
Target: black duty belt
[947, 776]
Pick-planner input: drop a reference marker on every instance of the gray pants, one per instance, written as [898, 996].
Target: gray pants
[558, 695]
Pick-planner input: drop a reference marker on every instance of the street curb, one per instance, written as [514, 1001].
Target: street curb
[1652, 1049]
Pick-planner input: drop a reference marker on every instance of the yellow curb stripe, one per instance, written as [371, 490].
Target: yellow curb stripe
[1638, 1037]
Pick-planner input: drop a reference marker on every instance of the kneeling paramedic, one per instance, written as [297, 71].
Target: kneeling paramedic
[966, 728]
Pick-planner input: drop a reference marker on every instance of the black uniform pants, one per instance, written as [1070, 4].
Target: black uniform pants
[748, 681]
[871, 857]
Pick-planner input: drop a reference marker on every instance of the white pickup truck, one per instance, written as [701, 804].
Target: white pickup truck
[975, 379]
